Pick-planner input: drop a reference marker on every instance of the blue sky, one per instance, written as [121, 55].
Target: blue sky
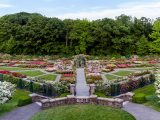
[90, 9]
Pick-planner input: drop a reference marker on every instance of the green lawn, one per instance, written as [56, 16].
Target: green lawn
[13, 102]
[111, 77]
[100, 94]
[152, 99]
[32, 73]
[123, 73]
[49, 77]
[64, 94]
[12, 68]
[142, 69]
[147, 90]
[83, 112]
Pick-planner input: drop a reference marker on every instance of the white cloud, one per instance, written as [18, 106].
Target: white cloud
[150, 10]
[5, 5]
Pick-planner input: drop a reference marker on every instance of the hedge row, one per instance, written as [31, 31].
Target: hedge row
[124, 87]
[43, 89]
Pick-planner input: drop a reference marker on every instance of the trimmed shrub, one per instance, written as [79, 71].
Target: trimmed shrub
[152, 78]
[142, 81]
[24, 101]
[115, 89]
[139, 98]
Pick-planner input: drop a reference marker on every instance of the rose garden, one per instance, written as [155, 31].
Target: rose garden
[79, 86]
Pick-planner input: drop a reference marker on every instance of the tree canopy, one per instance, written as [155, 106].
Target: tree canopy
[33, 33]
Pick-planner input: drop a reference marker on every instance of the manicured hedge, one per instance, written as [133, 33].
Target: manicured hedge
[24, 101]
[139, 98]
[44, 89]
[130, 85]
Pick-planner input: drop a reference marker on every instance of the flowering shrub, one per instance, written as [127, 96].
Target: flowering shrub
[18, 75]
[6, 91]
[61, 87]
[68, 79]
[157, 85]
[107, 70]
[153, 62]
[12, 73]
[122, 66]
[68, 75]
[109, 66]
[4, 72]
[93, 77]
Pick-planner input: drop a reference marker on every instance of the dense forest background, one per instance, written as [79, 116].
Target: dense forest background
[25, 33]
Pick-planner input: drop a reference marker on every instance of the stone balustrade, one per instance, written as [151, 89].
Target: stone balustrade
[73, 89]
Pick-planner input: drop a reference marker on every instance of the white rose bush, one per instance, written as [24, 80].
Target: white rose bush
[6, 91]
[157, 84]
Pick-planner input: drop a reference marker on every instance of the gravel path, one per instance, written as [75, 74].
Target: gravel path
[22, 113]
[81, 86]
[141, 112]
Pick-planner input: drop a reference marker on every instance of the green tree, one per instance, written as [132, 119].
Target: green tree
[80, 35]
[155, 35]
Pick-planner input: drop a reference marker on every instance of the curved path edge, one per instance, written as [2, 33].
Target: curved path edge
[22, 113]
[141, 112]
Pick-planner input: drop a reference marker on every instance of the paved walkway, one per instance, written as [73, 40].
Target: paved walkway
[81, 86]
[22, 113]
[141, 112]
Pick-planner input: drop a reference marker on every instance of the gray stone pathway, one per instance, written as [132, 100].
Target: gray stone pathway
[113, 74]
[58, 78]
[22, 113]
[81, 86]
[104, 78]
[141, 112]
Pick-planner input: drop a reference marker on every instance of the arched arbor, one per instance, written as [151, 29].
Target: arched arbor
[80, 61]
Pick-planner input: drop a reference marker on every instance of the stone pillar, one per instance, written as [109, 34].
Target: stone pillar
[72, 89]
[92, 88]
[93, 99]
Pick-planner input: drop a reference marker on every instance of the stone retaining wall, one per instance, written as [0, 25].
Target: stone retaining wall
[126, 97]
[37, 98]
[71, 99]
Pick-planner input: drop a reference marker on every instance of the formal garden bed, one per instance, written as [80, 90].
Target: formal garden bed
[38, 76]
